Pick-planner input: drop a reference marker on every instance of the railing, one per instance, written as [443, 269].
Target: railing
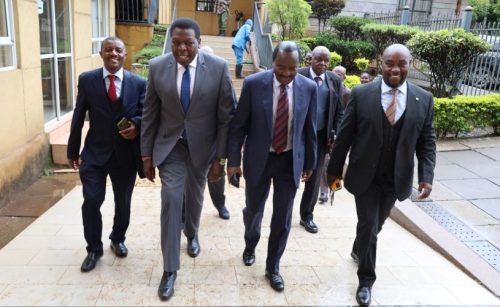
[136, 11]
[262, 40]
[167, 46]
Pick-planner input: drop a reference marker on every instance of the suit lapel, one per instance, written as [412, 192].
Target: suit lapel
[201, 74]
[100, 86]
[171, 86]
[375, 106]
[267, 100]
[410, 111]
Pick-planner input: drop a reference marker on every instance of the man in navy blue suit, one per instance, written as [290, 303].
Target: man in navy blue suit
[110, 95]
[276, 119]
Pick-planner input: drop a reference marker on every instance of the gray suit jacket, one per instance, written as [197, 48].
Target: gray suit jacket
[361, 131]
[208, 116]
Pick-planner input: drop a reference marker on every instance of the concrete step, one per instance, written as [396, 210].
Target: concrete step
[58, 139]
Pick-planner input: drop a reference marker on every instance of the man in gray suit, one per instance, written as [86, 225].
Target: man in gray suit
[386, 123]
[188, 106]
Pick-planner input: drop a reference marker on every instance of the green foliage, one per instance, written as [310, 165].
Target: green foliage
[292, 17]
[304, 49]
[382, 36]
[349, 27]
[324, 9]
[461, 114]
[309, 41]
[335, 59]
[489, 9]
[160, 29]
[351, 81]
[362, 64]
[448, 54]
[147, 53]
[349, 50]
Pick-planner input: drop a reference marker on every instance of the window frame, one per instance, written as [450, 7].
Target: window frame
[208, 2]
[101, 15]
[9, 40]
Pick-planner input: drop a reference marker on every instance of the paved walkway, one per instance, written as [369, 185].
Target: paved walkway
[41, 266]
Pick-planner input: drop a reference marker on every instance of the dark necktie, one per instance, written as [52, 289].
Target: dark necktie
[391, 109]
[112, 89]
[186, 89]
[318, 80]
[281, 123]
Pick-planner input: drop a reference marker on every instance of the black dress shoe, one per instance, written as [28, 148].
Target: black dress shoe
[323, 197]
[90, 261]
[166, 288]
[119, 248]
[309, 225]
[193, 247]
[364, 296]
[223, 213]
[354, 257]
[248, 257]
[276, 281]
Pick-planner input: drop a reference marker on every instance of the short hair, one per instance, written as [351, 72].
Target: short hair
[185, 23]
[286, 46]
[112, 39]
[320, 50]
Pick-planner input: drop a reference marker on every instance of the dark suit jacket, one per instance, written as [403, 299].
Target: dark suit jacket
[361, 131]
[253, 124]
[102, 138]
[335, 108]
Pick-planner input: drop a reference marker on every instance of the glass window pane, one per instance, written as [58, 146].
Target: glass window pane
[45, 27]
[3, 19]
[63, 34]
[65, 85]
[48, 90]
[6, 59]
[94, 15]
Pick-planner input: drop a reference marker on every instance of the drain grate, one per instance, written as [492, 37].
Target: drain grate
[464, 233]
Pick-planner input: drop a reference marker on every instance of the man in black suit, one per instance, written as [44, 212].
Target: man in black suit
[108, 94]
[386, 122]
[329, 116]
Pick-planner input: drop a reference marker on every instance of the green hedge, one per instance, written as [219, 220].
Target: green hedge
[462, 114]
[349, 27]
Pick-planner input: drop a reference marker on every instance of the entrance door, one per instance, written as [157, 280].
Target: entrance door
[54, 17]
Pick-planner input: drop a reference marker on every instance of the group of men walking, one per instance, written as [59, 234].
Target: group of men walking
[186, 124]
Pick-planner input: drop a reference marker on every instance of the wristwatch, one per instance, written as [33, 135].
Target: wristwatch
[222, 162]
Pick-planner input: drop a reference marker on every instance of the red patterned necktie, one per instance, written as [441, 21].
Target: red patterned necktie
[391, 109]
[281, 123]
[112, 88]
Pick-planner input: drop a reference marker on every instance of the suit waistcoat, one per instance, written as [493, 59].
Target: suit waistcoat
[390, 136]
[322, 110]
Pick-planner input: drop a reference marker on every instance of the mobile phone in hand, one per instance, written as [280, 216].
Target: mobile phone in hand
[123, 124]
[235, 180]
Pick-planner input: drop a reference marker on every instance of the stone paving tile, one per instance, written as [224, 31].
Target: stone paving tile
[22, 274]
[452, 171]
[143, 295]
[493, 153]
[442, 192]
[472, 296]
[481, 142]
[495, 180]
[416, 295]
[473, 188]
[465, 157]
[467, 212]
[490, 169]
[50, 295]
[490, 232]
[490, 206]
[17, 257]
[321, 295]
[450, 145]
[441, 158]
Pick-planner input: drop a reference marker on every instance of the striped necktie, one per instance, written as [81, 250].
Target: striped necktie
[280, 138]
[393, 105]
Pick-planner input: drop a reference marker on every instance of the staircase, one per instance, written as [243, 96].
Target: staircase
[222, 47]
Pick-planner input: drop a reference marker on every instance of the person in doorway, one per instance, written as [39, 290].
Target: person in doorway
[222, 10]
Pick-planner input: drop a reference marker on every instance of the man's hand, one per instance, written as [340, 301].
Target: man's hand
[74, 163]
[149, 170]
[233, 170]
[306, 174]
[129, 133]
[424, 190]
[330, 179]
[215, 172]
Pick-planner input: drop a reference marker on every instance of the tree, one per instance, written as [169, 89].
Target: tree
[324, 9]
[448, 54]
[292, 16]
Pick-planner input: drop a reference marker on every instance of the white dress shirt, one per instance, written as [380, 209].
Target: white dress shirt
[276, 94]
[314, 75]
[118, 80]
[192, 74]
[401, 98]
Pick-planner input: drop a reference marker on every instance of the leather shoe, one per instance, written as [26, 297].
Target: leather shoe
[276, 281]
[90, 261]
[119, 248]
[309, 225]
[323, 198]
[223, 213]
[248, 257]
[193, 247]
[354, 257]
[363, 296]
[166, 288]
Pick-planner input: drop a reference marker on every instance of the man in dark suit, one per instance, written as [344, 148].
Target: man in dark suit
[276, 119]
[188, 106]
[108, 94]
[386, 122]
[329, 116]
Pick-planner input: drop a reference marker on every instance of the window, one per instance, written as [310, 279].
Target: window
[100, 21]
[7, 47]
[205, 5]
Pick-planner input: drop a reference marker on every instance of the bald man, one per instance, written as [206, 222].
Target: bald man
[329, 116]
[386, 123]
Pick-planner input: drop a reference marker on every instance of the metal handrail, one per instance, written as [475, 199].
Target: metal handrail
[262, 40]
[167, 46]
